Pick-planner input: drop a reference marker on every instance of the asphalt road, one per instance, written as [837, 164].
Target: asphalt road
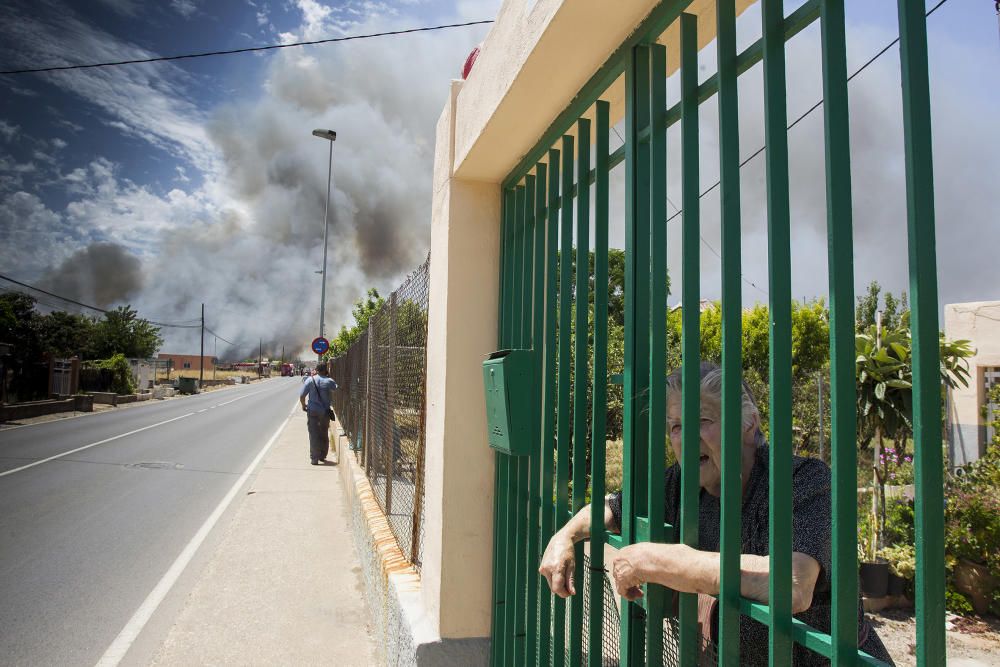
[85, 537]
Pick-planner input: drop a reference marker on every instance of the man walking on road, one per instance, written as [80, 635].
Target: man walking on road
[318, 388]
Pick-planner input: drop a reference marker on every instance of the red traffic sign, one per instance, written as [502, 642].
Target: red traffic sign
[320, 345]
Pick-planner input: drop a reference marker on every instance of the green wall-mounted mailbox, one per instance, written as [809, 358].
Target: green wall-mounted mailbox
[507, 379]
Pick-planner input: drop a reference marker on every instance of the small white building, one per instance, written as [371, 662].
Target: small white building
[978, 322]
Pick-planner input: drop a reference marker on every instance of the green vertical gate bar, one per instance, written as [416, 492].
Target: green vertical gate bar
[535, 463]
[729, 175]
[502, 559]
[502, 633]
[657, 410]
[517, 284]
[500, 477]
[514, 479]
[690, 325]
[843, 416]
[599, 404]
[522, 462]
[928, 464]
[562, 414]
[636, 379]
[527, 258]
[507, 304]
[779, 263]
[580, 374]
[549, 399]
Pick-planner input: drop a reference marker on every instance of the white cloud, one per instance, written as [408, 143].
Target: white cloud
[8, 130]
[58, 143]
[32, 237]
[150, 102]
[184, 7]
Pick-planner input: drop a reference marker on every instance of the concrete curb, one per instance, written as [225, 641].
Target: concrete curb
[393, 590]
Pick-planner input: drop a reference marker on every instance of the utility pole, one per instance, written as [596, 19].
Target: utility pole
[201, 371]
[330, 136]
[260, 356]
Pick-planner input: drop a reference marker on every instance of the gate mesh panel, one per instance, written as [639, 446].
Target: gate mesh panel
[611, 631]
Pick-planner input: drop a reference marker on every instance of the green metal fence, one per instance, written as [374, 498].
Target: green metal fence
[556, 203]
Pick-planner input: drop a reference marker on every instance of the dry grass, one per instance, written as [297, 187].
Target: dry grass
[209, 375]
[614, 465]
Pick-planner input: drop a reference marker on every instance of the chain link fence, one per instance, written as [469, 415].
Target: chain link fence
[382, 407]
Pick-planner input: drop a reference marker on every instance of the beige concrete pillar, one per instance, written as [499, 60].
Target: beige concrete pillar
[465, 233]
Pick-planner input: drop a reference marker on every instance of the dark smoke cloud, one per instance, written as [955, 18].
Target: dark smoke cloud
[101, 274]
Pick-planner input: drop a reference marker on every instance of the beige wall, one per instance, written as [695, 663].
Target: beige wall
[978, 322]
[537, 57]
[535, 60]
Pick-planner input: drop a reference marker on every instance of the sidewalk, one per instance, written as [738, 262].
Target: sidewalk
[283, 586]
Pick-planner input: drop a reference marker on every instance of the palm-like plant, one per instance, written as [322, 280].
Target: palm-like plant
[884, 372]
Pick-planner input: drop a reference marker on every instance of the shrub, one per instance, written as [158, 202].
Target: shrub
[121, 382]
[957, 603]
[899, 522]
[972, 512]
[902, 559]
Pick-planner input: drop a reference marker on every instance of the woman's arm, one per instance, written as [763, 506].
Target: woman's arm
[688, 570]
[559, 558]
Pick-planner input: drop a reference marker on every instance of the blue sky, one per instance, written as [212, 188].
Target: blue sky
[203, 172]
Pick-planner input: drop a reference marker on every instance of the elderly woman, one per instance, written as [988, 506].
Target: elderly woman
[689, 570]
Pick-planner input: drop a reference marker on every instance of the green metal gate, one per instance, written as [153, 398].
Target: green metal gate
[554, 195]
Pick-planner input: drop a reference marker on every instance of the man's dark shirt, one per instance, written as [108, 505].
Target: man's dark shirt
[810, 536]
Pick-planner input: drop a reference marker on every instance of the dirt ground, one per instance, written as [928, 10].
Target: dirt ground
[971, 641]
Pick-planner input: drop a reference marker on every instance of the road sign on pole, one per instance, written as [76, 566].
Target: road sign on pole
[320, 345]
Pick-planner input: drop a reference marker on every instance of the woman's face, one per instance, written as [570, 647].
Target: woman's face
[710, 464]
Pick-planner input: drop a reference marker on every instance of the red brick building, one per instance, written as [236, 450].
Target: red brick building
[182, 362]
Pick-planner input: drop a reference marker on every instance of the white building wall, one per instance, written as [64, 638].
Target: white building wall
[979, 323]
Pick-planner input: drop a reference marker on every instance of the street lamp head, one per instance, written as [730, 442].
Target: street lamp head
[325, 134]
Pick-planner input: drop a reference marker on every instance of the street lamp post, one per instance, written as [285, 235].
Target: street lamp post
[330, 136]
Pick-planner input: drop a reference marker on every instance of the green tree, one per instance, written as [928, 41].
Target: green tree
[616, 282]
[123, 331]
[363, 310]
[19, 327]
[67, 334]
[884, 376]
[810, 337]
[895, 314]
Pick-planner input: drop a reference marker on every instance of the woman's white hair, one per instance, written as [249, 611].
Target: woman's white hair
[711, 385]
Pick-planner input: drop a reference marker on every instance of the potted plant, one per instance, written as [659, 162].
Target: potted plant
[873, 575]
[902, 562]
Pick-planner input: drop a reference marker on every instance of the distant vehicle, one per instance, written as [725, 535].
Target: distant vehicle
[287, 370]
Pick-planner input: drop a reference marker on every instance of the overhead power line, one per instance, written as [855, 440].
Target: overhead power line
[251, 49]
[175, 325]
[207, 330]
[808, 111]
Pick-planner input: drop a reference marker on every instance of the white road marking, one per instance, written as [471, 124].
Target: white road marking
[123, 642]
[241, 398]
[116, 437]
[93, 444]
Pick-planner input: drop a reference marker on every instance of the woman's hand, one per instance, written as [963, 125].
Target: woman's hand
[630, 570]
[558, 563]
